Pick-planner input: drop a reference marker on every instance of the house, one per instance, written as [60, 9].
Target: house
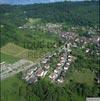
[62, 58]
[69, 50]
[58, 67]
[62, 61]
[53, 76]
[27, 78]
[31, 72]
[69, 56]
[77, 40]
[45, 72]
[87, 50]
[56, 71]
[35, 68]
[74, 45]
[20, 27]
[60, 80]
[66, 67]
[45, 61]
[40, 72]
[33, 79]
[69, 60]
[59, 64]
[46, 66]
[67, 63]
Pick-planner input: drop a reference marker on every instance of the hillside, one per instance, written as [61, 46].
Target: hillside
[69, 13]
[63, 40]
[77, 13]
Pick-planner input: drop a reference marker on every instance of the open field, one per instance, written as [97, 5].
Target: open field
[10, 89]
[8, 58]
[11, 52]
[12, 49]
[85, 76]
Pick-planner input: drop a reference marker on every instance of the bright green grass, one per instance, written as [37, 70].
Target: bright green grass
[12, 49]
[11, 52]
[84, 76]
[7, 58]
[76, 97]
[34, 21]
[10, 89]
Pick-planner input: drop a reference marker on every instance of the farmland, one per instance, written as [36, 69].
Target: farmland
[16, 52]
[78, 76]
[7, 58]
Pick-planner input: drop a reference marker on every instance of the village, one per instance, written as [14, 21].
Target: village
[41, 70]
[32, 72]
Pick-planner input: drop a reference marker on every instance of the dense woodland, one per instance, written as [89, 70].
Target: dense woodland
[76, 13]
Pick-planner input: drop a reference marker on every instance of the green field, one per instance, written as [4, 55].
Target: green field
[12, 49]
[84, 76]
[10, 89]
[8, 58]
[12, 52]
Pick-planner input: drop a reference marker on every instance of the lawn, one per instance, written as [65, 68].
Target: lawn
[8, 58]
[12, 49]
[10, 89]
[83, 76]
[10, 52]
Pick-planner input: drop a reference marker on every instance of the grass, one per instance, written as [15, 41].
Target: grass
[34, 21]
[77, 97]
[11, 52]
[7, 58]
[10, 89]
[12, 49]
[83, 76]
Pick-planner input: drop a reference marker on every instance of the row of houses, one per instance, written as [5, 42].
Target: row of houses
[62, 66]
[38, 71]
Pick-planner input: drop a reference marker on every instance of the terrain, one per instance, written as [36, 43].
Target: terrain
[34, 31]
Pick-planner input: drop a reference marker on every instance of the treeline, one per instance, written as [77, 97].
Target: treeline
[46, 91]
[74, 13]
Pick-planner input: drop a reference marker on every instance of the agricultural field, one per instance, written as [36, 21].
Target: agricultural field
[16, 52]
[12, 49]
[11, 52]
[8, 58]
[84, 76]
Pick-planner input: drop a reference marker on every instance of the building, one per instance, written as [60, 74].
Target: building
[46, 66]
[33, 79]
[53, 76]
[66, 67]
[40, 72]
[59, 64]
[60, 80]
[45, 61]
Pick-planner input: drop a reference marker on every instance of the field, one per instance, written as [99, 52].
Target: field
[8, 58]
[84, 76]
[12, 49]
[11, 52]
[10, 89]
